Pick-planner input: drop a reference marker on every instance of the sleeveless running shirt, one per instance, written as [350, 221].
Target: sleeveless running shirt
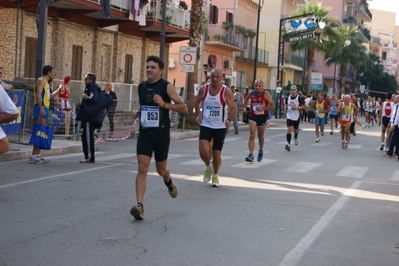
[386, 109]
[292, 114]
[45, 95]
[153, 117]
[258, 99]
[214, 112]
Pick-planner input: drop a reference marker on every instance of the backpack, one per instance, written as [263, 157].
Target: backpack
[103, 103]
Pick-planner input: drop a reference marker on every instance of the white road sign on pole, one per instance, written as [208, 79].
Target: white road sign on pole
[188, 55]
[187, 68]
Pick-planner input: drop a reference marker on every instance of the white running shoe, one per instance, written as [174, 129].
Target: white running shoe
[215, 181]
[207, 174]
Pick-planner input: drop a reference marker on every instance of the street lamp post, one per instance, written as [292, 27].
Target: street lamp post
[256, 45]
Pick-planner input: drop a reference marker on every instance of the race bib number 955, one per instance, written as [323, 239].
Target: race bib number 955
[149, 116]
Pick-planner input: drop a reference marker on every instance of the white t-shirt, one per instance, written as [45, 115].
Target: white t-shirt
[6, 106]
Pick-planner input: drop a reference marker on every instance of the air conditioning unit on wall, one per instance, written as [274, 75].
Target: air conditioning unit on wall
[171, 63]
[228, 64]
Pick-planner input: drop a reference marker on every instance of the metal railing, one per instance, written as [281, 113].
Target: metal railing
[116, 4]
[175, 15]
[263, 56]
[227, 35]
[297, 60]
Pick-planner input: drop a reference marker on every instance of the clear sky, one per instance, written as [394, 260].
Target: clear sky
[386, 5]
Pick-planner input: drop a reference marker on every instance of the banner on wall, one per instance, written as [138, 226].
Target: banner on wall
[15, 127]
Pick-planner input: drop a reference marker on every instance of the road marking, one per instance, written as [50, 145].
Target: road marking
[231, 139]
[253, 165]
[321, 144]
[395, 176]
[71, 155]
[354, 146]
[295, 255]
[59, 175]
[353, 171]
[115, 156]
[302, 167]
[200, 162]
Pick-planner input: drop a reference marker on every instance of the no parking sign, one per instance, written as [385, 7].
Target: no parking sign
[188, 55]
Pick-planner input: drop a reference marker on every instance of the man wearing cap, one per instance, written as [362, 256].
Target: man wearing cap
[261, 103]
[293, 106]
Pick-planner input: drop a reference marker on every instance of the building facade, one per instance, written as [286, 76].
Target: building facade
[80, 38]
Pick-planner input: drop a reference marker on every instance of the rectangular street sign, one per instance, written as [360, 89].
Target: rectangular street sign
[187, 55]
[187, 68]
[316, 81]
[301, 37]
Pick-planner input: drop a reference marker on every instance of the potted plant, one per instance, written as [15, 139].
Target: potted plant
[168, 20]
[228, 25]
[250, 33]
[217, 37]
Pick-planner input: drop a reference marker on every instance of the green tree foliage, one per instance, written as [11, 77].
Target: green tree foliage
[385, 83]
[344, 49]
[371, 69]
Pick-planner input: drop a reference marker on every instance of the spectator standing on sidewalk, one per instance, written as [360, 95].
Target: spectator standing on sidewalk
[237, 99]
[89, 124]
[155, 96]
[41, 107]
[8, 113]
[109, 89]
[261, 103]
[64, 104]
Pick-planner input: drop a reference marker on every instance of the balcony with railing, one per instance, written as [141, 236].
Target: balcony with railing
[297, 61]
[89, 13]
[248, 55]
[376, 40]
[226, 38]
[364, 14]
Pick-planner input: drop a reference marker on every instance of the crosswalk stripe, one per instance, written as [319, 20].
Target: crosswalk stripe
[354, 146]
[253, 165]
[231, 139]
[200, 162]
[302, 167]
[353, 171]
[321, 144]
[395, 176]
[114, 157]
[70, 155]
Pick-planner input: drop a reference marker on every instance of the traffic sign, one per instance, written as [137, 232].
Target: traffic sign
[187, 68]
[188, 55]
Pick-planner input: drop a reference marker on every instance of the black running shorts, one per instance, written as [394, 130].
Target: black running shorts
[157, 142]
[217, 135]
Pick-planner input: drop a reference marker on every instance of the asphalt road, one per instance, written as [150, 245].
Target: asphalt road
[316, 205]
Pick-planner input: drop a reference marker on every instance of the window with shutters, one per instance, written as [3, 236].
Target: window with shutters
[229, 16]
[77, 57]
[30, 57]
[213, 14]
[128, 68]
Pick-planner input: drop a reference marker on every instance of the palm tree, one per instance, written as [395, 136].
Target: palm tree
[322, 36]
[344, 50]
[371, 69]
[196, 30]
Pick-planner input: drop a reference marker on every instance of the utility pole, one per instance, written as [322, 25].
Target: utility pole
[41, 38]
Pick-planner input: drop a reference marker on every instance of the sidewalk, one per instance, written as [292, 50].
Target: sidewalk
[61, 146]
